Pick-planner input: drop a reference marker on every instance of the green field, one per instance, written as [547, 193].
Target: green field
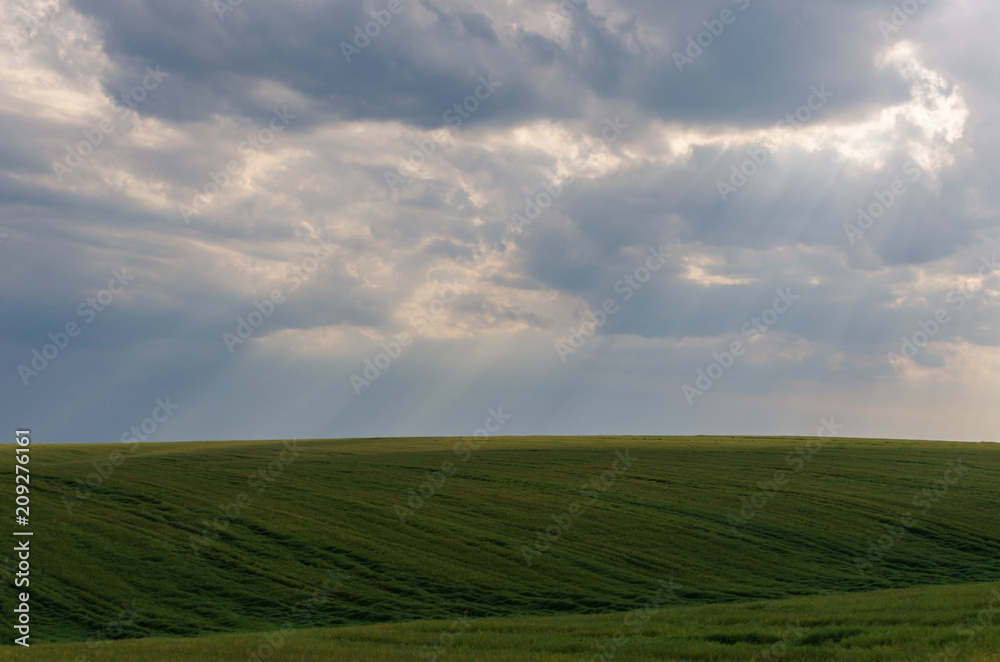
[894, 624]
[317, 547]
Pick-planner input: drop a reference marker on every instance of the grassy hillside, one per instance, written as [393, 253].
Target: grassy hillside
[911, 625]
[326, 520]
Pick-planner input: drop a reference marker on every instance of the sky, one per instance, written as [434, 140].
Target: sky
[255, 220]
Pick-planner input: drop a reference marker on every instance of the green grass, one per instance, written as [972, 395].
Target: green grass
[898, 624]
[331, 509]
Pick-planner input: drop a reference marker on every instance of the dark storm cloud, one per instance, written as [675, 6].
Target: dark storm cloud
[758, 69]
[410, 72]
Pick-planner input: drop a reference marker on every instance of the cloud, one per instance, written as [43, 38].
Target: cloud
[212, 156]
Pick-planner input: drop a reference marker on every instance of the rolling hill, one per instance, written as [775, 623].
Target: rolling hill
[224, 541]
